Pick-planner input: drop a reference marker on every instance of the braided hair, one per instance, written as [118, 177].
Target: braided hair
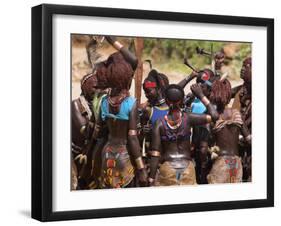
[87, 83]
[160, 79]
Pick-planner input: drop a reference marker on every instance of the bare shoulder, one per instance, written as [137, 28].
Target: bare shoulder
[231, 114]
[75, 104]
[227, 113]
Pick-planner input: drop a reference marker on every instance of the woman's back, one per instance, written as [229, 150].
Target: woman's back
[117, 120]
[226, 131]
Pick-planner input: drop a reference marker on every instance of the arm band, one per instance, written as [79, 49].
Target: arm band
[117, 45]
[205, 101]
[248, 138]
[133, 132]
[82, 129]
[154, 153]
[139, 163]
[208, 118]
[150, 180]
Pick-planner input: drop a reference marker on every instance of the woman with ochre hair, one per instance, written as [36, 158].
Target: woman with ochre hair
[121, 156]
[227, 168]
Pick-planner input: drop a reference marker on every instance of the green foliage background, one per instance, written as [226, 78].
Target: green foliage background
[168, 54]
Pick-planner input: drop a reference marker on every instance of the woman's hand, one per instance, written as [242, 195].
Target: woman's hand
[197, 91]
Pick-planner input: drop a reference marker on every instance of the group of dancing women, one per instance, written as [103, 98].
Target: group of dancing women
[174, 138]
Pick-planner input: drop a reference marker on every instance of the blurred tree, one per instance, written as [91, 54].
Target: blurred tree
[168, 54]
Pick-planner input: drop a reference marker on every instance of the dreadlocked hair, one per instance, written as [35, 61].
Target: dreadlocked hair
[163, 81]
[119, 72]
[220, 94]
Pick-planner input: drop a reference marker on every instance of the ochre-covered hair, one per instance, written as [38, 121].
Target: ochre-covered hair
[119, 72]
[220, 94]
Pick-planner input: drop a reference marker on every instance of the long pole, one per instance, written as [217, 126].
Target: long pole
[139, 45]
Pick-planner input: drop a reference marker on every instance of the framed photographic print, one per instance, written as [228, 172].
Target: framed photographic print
[146, 112]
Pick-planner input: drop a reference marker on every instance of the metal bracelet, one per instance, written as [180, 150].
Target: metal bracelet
[208, 118]
[133, 132]
[205, 101]
[154, 153]
[139, 163]
[82, 129]
[249, 137]
[117, 45]
[150, 180]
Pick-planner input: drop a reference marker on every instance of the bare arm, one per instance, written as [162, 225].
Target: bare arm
[189, 98]
[131, 58]
[79, 122]
[246, 133]
[156, 150]
[202, 119]
[235, 90]
[186, 80]
[199, 119]
[133, 141]
[213, 114]
[143, 121]
[85, 129]
[134, 146]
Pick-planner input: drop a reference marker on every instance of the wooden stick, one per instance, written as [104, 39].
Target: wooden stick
[139, 45]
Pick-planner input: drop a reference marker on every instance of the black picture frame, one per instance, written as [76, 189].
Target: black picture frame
[42, 107]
